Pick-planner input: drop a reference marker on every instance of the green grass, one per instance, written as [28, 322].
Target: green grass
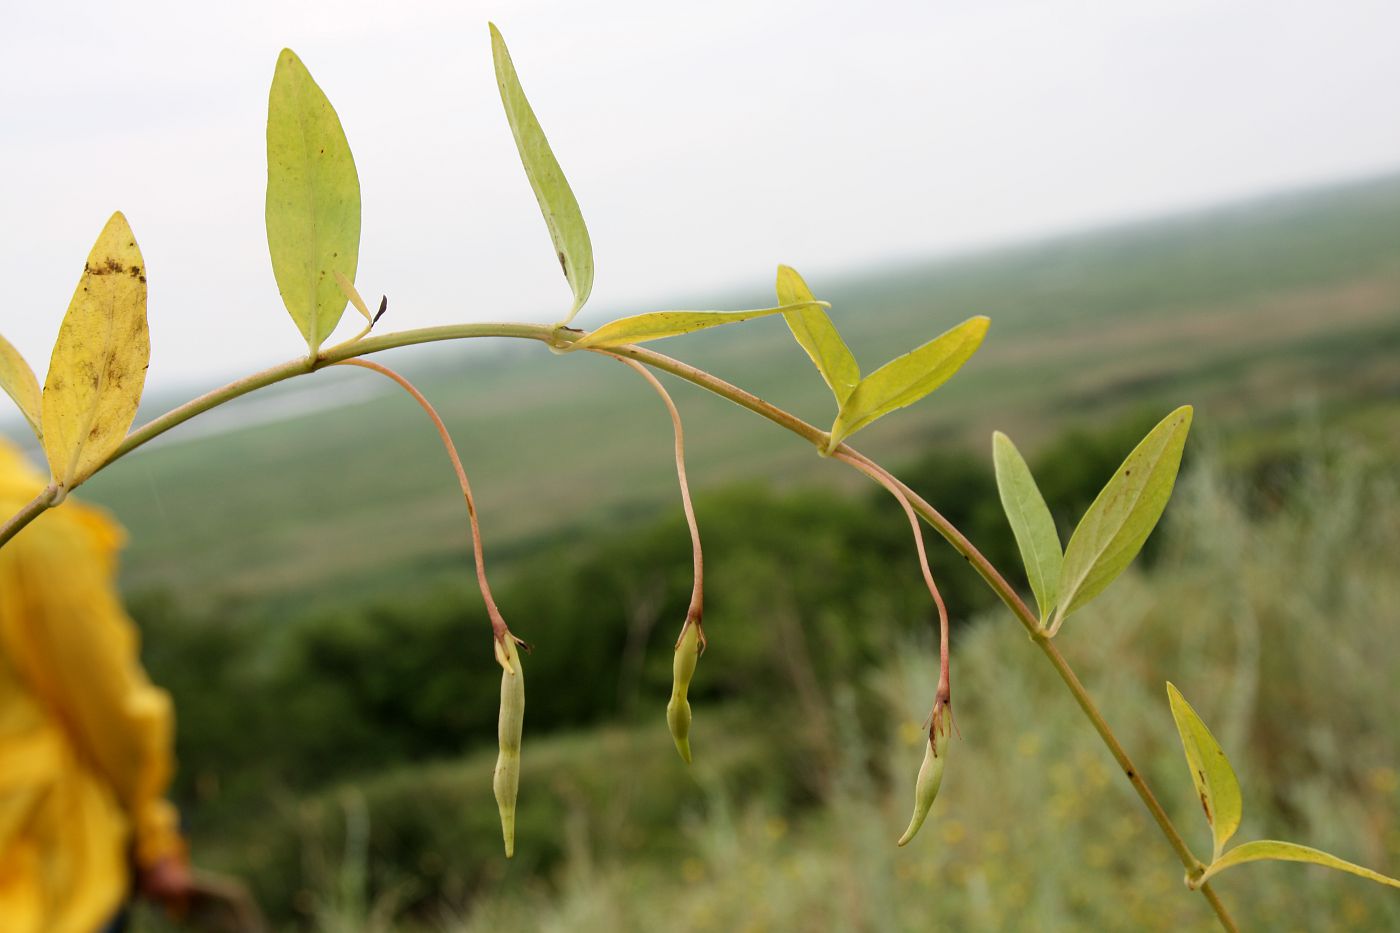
[1244, 311]
[1280, 629]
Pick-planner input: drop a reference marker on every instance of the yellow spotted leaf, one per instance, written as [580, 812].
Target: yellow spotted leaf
[313, 200]
[18, 381]
[98, 368]
[657, 324]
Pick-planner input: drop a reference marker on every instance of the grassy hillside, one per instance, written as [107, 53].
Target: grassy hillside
[1252, 309]
[804, 766]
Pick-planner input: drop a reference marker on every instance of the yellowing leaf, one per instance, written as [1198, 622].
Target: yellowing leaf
[557, 201]
[1216, 784]
[908, 378]
[818, 336]
[1031, 522]
[98, 368]
[657, 324]
[1118, 522]
[348, 289]
[19, 383]
[1289, 852]
[313, 200]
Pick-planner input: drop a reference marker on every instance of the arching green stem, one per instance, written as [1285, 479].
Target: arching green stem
[547, 334]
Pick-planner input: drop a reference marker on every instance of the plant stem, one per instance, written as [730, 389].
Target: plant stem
[548, 335]
[498, 623]
[24, 516]
[943, 696]
[697, 593]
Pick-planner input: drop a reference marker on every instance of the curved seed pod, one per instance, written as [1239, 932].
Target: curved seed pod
[930, 776]
[506, 781]
[682, 670]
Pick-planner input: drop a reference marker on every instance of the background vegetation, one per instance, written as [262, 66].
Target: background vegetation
[336, 720]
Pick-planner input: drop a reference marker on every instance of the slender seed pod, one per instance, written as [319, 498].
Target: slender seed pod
[506, 782]
[930, 776]
[682, 670]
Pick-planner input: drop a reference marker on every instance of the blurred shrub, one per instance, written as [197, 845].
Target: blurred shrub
[809, 597]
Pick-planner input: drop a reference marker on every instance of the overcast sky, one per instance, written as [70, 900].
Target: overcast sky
[706, 142]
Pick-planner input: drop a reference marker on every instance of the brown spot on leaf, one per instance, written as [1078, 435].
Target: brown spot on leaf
[564, 264]
[108, 267]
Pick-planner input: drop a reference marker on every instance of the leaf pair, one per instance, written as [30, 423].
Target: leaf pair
[1112, 531]
[98, 368]
[1219, 792]
[313, 197]
[900, 382]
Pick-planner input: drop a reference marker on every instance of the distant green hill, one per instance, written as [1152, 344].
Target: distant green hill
[1244, 311]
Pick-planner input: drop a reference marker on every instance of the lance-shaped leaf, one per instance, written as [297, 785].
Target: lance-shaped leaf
[19, 383]
[557, 201]
[1031, 522]
[98, 367]
[1216, 784]
[657, 324]
[313, 200]
[1118, 522]
[908, 378]
[1289, 852]
[818, 336]
[348, 289]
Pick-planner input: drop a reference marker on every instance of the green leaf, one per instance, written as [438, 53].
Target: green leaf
[908, 378]
[1118, 522]
[98, 367]
[20, 384]
[1031, 522]
[313, 200]
[1216, 784]
[657, 324]
[818, 336]
[557, 201]
[1289, 852]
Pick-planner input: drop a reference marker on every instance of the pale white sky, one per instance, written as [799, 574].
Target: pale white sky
[706, 141]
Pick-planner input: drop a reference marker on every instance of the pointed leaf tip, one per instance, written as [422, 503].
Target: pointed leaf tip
[655, 325]
[1118, 523]
[1031, 522]
[20, 384]
[98, 367]
[906, 379]
[814, 332]
[313, 200]
[1290, 852]
[562, 215]
[1216, 784]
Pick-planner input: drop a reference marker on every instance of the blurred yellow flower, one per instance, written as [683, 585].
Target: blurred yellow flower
[85, 739]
